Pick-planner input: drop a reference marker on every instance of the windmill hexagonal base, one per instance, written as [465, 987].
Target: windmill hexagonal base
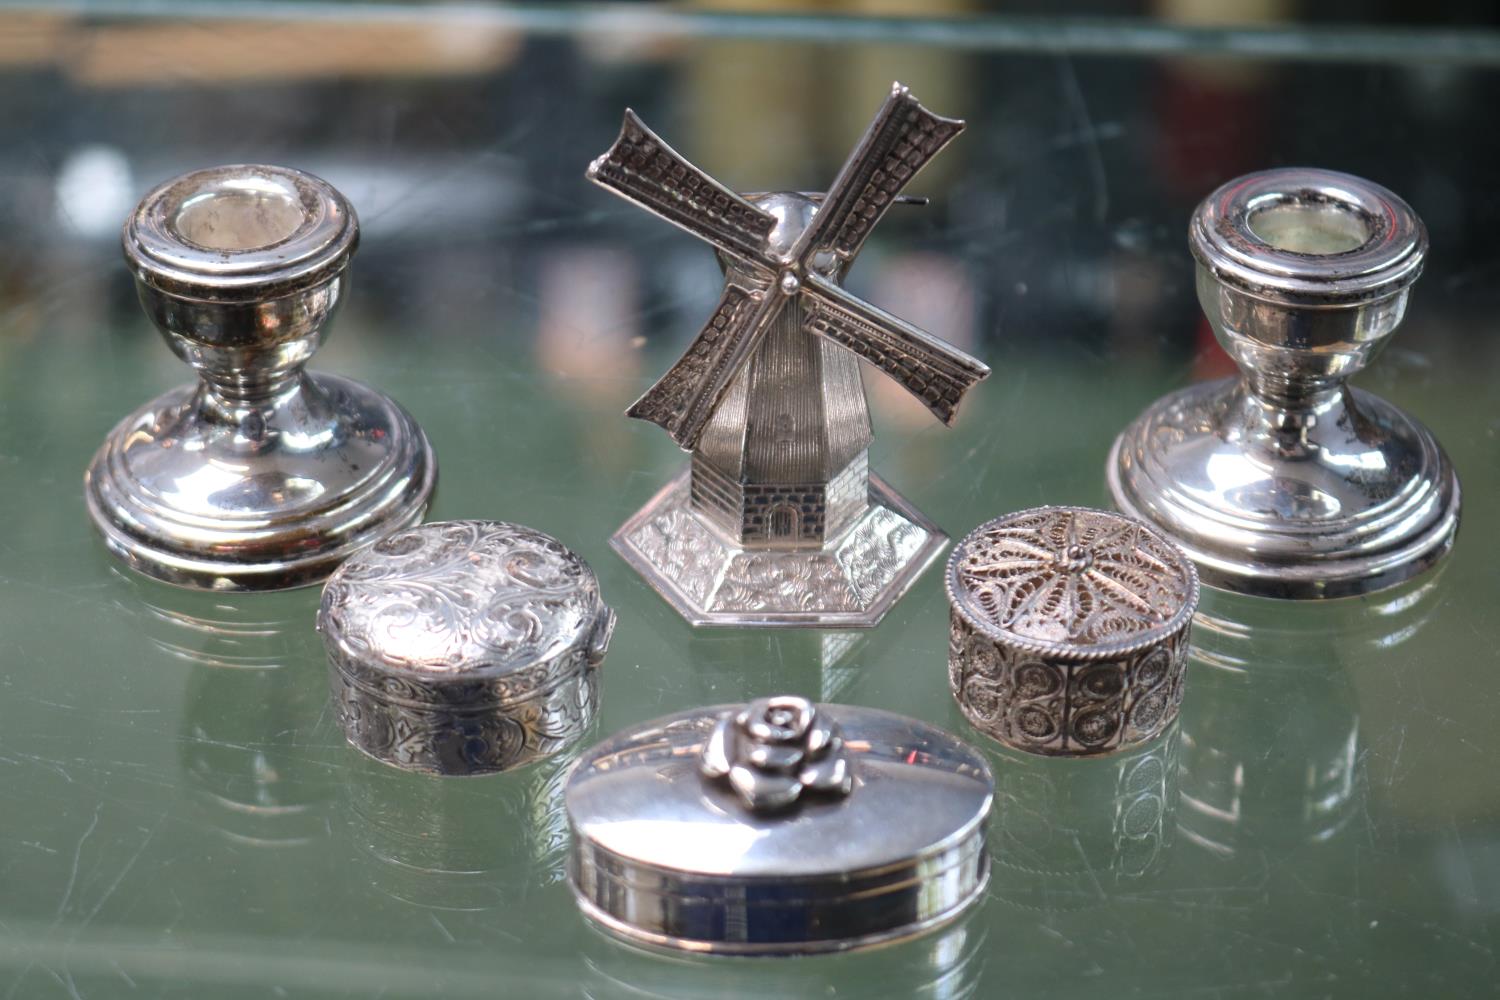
[850, 582]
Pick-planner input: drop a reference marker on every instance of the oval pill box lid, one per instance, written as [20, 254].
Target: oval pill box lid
[689, 832]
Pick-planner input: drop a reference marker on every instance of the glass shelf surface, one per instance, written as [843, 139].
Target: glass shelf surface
[179, 813]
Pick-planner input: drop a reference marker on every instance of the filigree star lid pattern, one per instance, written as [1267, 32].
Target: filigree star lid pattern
[1072, 582]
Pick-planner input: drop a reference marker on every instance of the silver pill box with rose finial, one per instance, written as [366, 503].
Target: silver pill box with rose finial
[778, 827]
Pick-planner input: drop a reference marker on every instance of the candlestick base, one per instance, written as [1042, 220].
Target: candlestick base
[260, 497]
[1345, 498]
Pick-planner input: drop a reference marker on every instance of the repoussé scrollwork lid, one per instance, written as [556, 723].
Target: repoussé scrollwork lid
[463, 612]
[1072, 582]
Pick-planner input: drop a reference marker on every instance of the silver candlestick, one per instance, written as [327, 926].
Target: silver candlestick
[778, 520]
[260, 475]
[1286, 482]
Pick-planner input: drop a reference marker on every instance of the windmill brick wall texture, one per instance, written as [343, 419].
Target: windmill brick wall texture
[791, 515]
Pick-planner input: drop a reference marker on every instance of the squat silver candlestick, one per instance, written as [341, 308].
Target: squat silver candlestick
[778, 521]
[259, 476]
[1286, 482]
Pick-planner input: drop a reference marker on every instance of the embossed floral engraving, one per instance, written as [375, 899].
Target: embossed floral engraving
[465, 647]
[850, 581]
[774, 750]
[459, 596]
[440, 739]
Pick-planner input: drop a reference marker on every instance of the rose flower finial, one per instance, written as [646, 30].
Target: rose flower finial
[774, 749]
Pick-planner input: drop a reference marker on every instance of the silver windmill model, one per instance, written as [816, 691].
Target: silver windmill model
[778, 521]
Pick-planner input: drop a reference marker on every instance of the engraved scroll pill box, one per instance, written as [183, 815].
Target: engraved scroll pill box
[778, 827]
[464, 647]
[1069, 630]
[260, 475]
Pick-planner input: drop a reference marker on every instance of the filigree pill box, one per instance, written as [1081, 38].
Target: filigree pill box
[1069, 630]
[464, 647]
[778, 827]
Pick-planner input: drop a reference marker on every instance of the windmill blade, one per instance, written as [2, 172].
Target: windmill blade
[645, 170]
[898, 143]
[685, 397]
[934, 371]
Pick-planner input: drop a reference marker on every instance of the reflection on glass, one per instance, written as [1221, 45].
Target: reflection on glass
[249, 705]
[261, 632]
[1066, 833]
[457, 843]
[241, 752]
[1270, 727]
[740, 665]
[947, 965]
